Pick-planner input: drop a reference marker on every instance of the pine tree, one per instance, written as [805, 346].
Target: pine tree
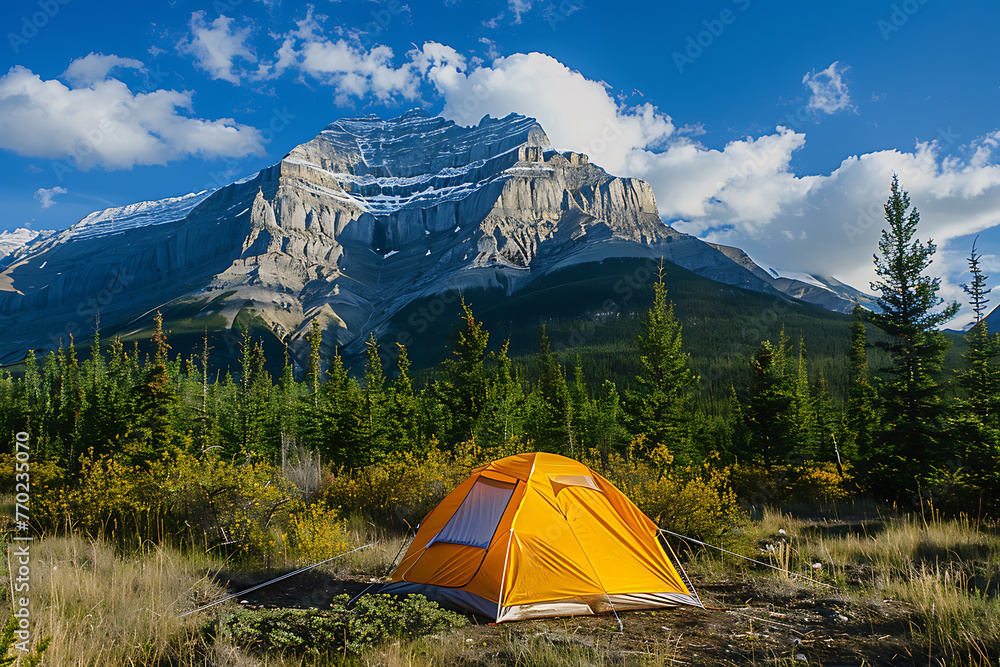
[335, 430]
[373, 427]
[315, 339]
[977, 417]
[663, 406]
[463, 389]
[861, 414]
[503, 415]
[806, 432]
[552, 418]
[404, 435]
[912, 400]
[770, 411]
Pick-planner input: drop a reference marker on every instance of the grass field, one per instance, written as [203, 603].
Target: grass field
[882, 588]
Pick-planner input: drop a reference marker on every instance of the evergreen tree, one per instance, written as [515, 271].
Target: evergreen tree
[338, 420]
[912, 400]
[552, 413]
[769, 414]
[503, 415]
[861, 414]
[806, 433]
[607, 430]
[373, 428]
[315, 340]
[977, 418]
[404, 411]
[663, 406]
[153, 397]
[463, 389]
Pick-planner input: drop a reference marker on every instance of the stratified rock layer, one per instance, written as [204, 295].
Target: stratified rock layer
[348, 228]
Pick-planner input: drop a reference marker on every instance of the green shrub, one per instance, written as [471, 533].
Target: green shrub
[375, 619]
[378, 617]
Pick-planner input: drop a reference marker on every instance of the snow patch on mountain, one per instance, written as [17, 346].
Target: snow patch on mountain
[141, 214]
[801, 277]
[13, 241]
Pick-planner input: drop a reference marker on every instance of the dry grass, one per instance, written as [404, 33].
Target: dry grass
[102, 609]
[945, 572]
[107, 608]
[518, 648]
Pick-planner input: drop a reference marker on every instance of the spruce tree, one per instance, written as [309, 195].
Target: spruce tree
[912, 430]
[663, 405]
[463, 389]
[861, 414]
[770, 411]
[977, 413]
[552, 419]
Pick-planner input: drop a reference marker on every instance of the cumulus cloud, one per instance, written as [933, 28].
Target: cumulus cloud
[105, 123]
[745, 193]
[216, 45]
[45, 195]
[352, 70]
[576, 112]
[828, 90]
[96, 67]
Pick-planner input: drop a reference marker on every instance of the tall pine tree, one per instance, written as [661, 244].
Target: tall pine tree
[663, 405]
[911, 437]
[977, 413]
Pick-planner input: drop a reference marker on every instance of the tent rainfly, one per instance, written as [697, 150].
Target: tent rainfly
[540, 535]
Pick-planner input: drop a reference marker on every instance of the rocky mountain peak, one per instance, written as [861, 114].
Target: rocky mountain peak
[348, 229]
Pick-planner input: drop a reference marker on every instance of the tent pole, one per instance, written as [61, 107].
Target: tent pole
[503, 578]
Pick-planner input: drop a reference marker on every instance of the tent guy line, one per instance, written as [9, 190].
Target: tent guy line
[272, 581]
[752, 560]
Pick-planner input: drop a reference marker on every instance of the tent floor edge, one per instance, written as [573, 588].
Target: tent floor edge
[592, 606]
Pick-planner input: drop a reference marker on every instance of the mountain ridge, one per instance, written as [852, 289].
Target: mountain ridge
[347, 229]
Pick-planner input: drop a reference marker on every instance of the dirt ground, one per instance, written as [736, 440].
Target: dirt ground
[748, 622]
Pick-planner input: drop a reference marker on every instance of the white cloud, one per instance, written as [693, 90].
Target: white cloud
[45, 195]
[576, 112]
[215, 46]
[828, 89]
[106, 124]
[355, 72]
[519, 8]
[95, 67]
[745, 193]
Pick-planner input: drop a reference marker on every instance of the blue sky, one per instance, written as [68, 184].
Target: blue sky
[772, 126]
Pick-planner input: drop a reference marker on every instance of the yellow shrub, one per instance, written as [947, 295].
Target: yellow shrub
[317, 533]
[696, 502]
[805, 482]
[403, 490]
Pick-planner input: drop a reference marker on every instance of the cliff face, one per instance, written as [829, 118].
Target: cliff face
[348, 228]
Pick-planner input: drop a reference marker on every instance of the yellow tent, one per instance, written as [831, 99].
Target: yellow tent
[538, 535]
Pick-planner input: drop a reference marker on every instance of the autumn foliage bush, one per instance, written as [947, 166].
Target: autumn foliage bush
[791, 483]
[695, 501]
[242, 509]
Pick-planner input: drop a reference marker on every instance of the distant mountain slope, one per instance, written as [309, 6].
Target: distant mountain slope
[823, 291]
[347, 229]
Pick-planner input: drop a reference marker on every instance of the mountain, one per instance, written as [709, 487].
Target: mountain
[349, 229]
[827, 292]
[11, 242]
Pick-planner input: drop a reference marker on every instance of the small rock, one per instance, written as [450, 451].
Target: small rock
[841, 618]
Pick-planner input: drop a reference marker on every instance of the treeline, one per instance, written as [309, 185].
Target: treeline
[912, 431]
